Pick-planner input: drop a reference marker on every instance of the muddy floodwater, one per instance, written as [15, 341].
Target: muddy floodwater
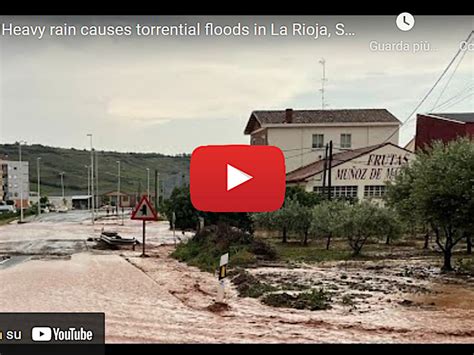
[158, 299]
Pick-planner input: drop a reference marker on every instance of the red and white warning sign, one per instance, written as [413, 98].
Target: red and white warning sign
[144, 211]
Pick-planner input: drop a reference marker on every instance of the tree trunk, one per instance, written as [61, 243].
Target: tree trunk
[328, 241]
[469, 244]
[427, 241]
[356, 251]
[447, 261]
[305, 241]
[387, 241]
[284, 239]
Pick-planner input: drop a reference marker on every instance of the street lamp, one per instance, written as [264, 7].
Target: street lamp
[88, 187]
[39, 184]
[21, 180]
[62, 184]
[92, 177]
[118, 186]
[148, 182]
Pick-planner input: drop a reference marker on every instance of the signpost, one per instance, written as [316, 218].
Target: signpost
[222, 275]
[144, 211]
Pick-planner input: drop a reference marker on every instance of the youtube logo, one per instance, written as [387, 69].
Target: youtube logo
[237, 178]
[41, 334]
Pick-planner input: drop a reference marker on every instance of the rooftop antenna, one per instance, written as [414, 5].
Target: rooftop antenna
[323, 83]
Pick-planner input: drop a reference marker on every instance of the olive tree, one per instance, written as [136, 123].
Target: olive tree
[364, 221]
[302, 222]
[281, 220]
[326, 221]
[438, 187]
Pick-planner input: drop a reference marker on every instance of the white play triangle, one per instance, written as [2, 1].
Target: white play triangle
[236, 177]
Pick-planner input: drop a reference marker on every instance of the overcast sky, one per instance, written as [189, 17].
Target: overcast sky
[170, 95]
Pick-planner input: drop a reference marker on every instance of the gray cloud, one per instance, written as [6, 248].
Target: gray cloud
[171, 95]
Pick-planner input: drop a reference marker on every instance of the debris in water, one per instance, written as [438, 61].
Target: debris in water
[218, 307]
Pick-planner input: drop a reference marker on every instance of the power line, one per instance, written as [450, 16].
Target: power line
[459, 101]
[466, 89]
[408, 118]
[449, 80]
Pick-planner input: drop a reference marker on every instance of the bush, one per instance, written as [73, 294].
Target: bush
[243, 257]
[180, 203]
[206, 247]
[265, 250]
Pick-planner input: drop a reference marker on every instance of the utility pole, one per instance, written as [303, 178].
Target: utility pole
[97, 195]
[21, 180]
[118, 187]
[156, 188]
[325, 169]
[92, 179]
[39, 184]
[323, 83]
[148, 182]
[329, 170]
[62, 184]
[88, 187]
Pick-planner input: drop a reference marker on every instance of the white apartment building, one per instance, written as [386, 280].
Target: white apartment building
[303, 134]
[16, 182]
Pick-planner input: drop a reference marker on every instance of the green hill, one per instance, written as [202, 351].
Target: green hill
[173, 170]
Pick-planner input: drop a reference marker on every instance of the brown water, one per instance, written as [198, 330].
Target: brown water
[158, 299]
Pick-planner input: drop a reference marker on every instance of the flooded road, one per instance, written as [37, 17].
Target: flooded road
[158, 299]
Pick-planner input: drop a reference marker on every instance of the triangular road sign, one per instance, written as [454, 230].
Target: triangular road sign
[144, 211]
[236, 177]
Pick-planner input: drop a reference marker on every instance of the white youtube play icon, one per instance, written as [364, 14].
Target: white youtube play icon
[41, 334]
[236, 177]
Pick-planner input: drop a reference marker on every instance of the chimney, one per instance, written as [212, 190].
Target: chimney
[289, 115]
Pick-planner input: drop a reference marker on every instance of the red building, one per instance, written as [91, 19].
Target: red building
[443, 126]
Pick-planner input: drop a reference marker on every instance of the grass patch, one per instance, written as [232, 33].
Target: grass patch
[466, 265]
[7, 220]
[311, 253]
[249, 286]
[313, 300]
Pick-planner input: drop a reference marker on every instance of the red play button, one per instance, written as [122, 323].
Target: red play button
[237, 178]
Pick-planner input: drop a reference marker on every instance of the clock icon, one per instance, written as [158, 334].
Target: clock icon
[405, 21]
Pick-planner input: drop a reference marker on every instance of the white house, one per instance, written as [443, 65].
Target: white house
[303, 134]
[360, 173]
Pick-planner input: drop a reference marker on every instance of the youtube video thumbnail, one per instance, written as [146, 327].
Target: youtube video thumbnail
[236, 179]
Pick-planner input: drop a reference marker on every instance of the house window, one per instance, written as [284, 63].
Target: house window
[376, 191]
[346, 139]
[318, 141]
[339, 191]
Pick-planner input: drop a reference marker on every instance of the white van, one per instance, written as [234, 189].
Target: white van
[7, 209]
